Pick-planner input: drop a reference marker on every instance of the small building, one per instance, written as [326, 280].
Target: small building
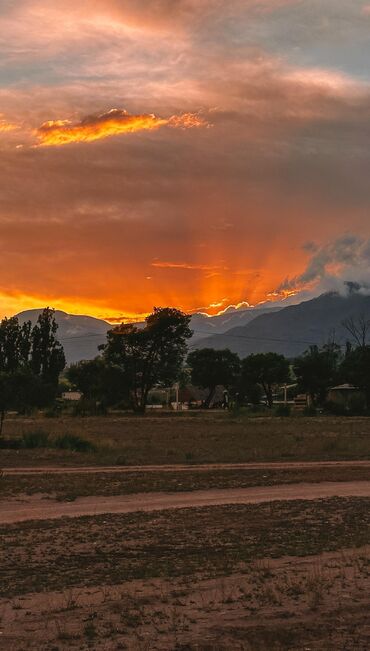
[73, 396]
[343, 394]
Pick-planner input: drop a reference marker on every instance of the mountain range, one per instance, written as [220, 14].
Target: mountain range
[291, 330]
[286, 330]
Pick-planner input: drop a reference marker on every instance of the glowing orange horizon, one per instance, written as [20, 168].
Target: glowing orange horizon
[16, 303]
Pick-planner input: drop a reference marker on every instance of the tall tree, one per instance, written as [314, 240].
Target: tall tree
[355, 369]
[47, 354]
[211, 368]
[31, 360]
[268, 370]
[99, 381]
[358, 329]
[317, 370]
[150, 355]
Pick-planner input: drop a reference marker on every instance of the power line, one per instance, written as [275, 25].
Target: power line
[214, 334]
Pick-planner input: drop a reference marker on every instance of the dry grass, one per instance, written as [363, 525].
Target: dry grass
[200, 438]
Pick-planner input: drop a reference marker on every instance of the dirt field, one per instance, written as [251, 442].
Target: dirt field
[289, 574]
[36, 508]
[274, 576]
[74, 483]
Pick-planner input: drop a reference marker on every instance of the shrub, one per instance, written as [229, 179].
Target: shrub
[336, 408]
[87, 407]
[37, 438]
[357, 405]
[74, 443]
[283, 410]
[310, 410]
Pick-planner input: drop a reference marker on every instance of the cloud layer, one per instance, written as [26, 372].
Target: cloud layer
[147, 209]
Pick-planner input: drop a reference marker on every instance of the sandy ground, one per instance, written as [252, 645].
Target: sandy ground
[39, 508]
[314, 604]
[42, 470]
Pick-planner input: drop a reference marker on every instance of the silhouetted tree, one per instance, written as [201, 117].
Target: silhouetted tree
[210, 368]
[99, 381]
[267, 370]
[355, 369]
[317, 370]
[358, 329]
[47, 354]
[31, 360]
[150, 355]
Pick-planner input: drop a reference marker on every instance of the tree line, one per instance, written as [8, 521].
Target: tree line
[135, 359]
[31, 360]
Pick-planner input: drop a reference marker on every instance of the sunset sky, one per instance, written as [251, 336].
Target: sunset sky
[193, 153]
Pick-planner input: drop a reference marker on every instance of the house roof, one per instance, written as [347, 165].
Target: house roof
[344, 387]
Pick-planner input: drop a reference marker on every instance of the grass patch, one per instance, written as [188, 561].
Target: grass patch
[74, 443]
[37, 438]
[40, 439]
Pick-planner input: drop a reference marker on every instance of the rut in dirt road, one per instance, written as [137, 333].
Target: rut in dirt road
[36, 508]
[270, 465]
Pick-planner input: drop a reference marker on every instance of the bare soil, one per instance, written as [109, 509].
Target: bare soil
[37, 508]
[278, 576]
[83, 482]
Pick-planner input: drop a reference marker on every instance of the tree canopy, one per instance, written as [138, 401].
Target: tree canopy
[210, 368]
[31, 359]
[151, 355]
[317, 370]
[266, 370]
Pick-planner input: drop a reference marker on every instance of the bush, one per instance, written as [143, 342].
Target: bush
[36, 439]
[53, 412]
[283, 410]
[357, 405]
[336, 408]
[310, 410]
[74, 443]
[87, 407]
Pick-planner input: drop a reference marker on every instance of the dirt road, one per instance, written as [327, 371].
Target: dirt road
[276, 465]
[36, 508]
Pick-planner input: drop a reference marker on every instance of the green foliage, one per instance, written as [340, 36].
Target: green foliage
[150, 355]
[37, 438]
[210, 368]
[283, 410]
[266, 370]
[74, 443]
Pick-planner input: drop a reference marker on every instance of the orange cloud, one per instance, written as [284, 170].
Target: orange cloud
[111, 123]
[7, 126]
[186, 265]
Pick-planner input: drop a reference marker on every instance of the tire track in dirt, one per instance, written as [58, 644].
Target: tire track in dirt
[276, 465]
[36, 508]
